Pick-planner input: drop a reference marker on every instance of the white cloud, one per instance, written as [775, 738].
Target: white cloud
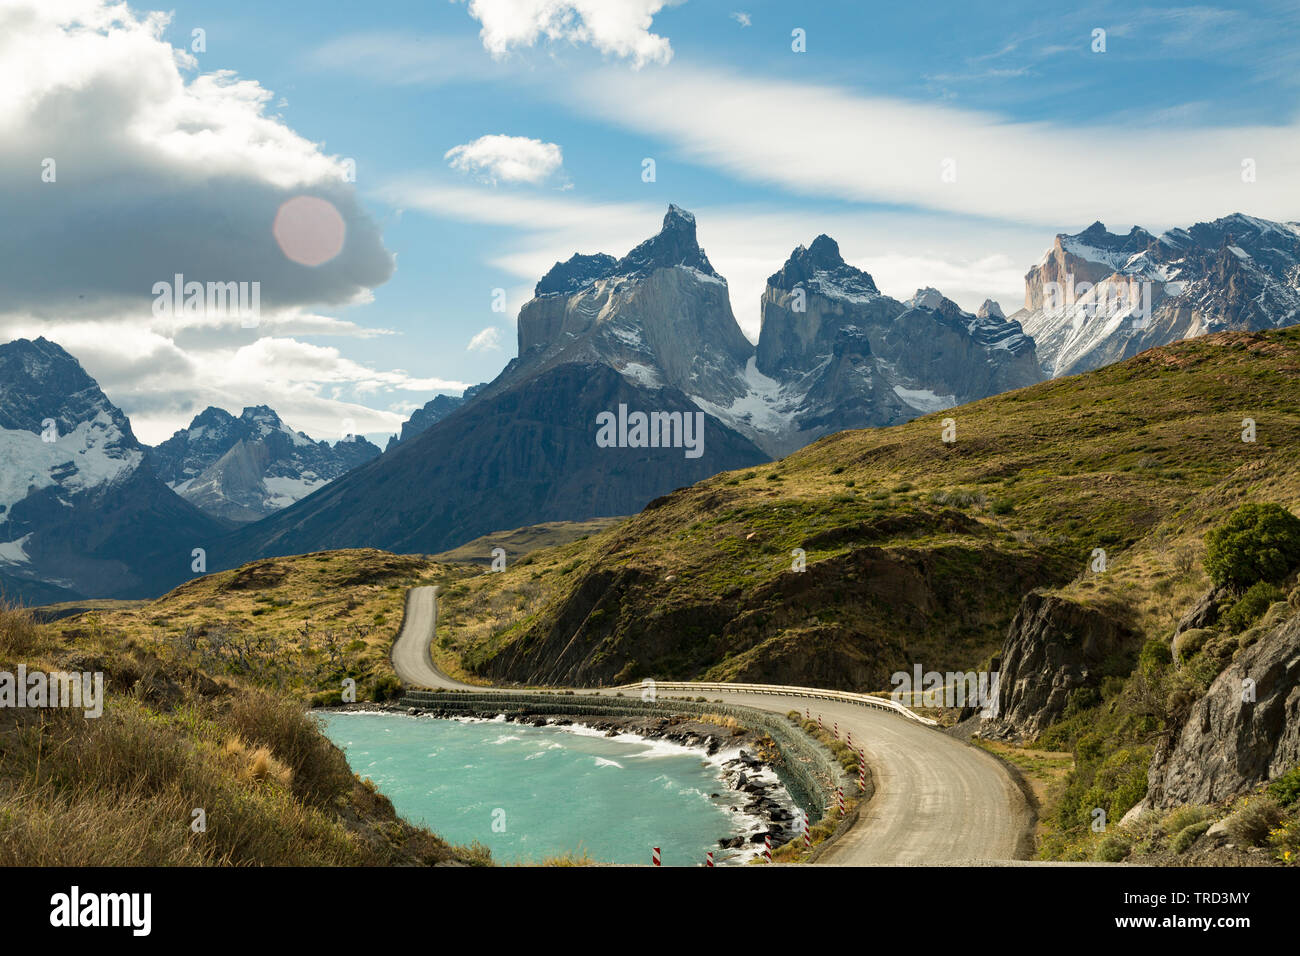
[742, 18]
[122, 165]
[486, 341]
[162, 169]
[510, 159]
[161, 383]
[615, 27]
[831, 142]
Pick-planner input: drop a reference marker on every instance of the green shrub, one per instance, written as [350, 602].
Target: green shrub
[1190, 641]
[1188, 835]
[1258, 542]
[1286, 788]
[1251, 606]
[1155, 656]
[1114, 848]
[387, 687]
[1180, 818]
[1250, 824]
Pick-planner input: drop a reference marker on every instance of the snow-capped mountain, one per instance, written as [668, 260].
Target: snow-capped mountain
[81, 511]
[653, 332]
[835, 353]
[1098, 297]
[245, 468]
[660, 316]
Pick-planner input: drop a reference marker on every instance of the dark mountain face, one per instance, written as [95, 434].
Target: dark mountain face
[434, 410]
[242, 469]
[81, 511]
[515, 457]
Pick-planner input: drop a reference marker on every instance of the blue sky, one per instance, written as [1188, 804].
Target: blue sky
[768, 146]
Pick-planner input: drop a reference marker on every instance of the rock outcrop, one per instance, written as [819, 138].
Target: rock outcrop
[1229, 743]
[1054, 648]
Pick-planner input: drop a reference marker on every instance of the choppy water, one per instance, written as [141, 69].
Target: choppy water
[533, 792]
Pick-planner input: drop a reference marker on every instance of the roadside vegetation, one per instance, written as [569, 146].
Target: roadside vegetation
[300, 625]
[182, 768]
[1253, 557]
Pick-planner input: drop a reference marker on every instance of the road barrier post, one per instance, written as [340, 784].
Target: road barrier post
[767, 847]
[654, 857]
[709, 861]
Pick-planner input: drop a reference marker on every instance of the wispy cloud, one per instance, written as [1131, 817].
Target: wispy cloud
[846, 146]
[489, 340]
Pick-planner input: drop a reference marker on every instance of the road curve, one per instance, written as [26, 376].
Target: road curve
[937, 800]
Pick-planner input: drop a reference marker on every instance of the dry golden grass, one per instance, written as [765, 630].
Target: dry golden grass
[302, 623]
[123, 789]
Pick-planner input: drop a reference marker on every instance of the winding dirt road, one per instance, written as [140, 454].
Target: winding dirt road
[937, 800]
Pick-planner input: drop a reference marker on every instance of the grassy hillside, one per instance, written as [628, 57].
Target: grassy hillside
[300, 624]
[523, 541]
[916, 550]
[123, 788]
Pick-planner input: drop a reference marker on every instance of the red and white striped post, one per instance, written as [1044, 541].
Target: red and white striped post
[654, 857]
[807, 834]
[848, 735]
[837, 730]
[819, 722]
[709, 861]
[807, 714]
[767, 847]
[839, 799]
[862, 771]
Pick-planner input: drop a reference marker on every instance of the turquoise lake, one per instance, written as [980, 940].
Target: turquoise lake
[533, 792]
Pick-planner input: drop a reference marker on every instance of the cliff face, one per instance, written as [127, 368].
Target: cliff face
[1229, 743]
[1053, 648]
[660, 315]
[842, 355]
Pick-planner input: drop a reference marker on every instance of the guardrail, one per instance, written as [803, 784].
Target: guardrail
[781, 690]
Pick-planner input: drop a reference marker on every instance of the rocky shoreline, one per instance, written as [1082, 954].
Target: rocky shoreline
[754, 788]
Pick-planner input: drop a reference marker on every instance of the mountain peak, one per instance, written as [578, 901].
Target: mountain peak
[991, 309]
[676, 212]
[259, 412]
[820, 268]
[674, 245]
[927, 298]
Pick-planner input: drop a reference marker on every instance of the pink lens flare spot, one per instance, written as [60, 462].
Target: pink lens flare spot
[309, 230]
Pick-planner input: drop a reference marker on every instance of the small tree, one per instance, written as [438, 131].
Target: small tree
[1258, 542]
